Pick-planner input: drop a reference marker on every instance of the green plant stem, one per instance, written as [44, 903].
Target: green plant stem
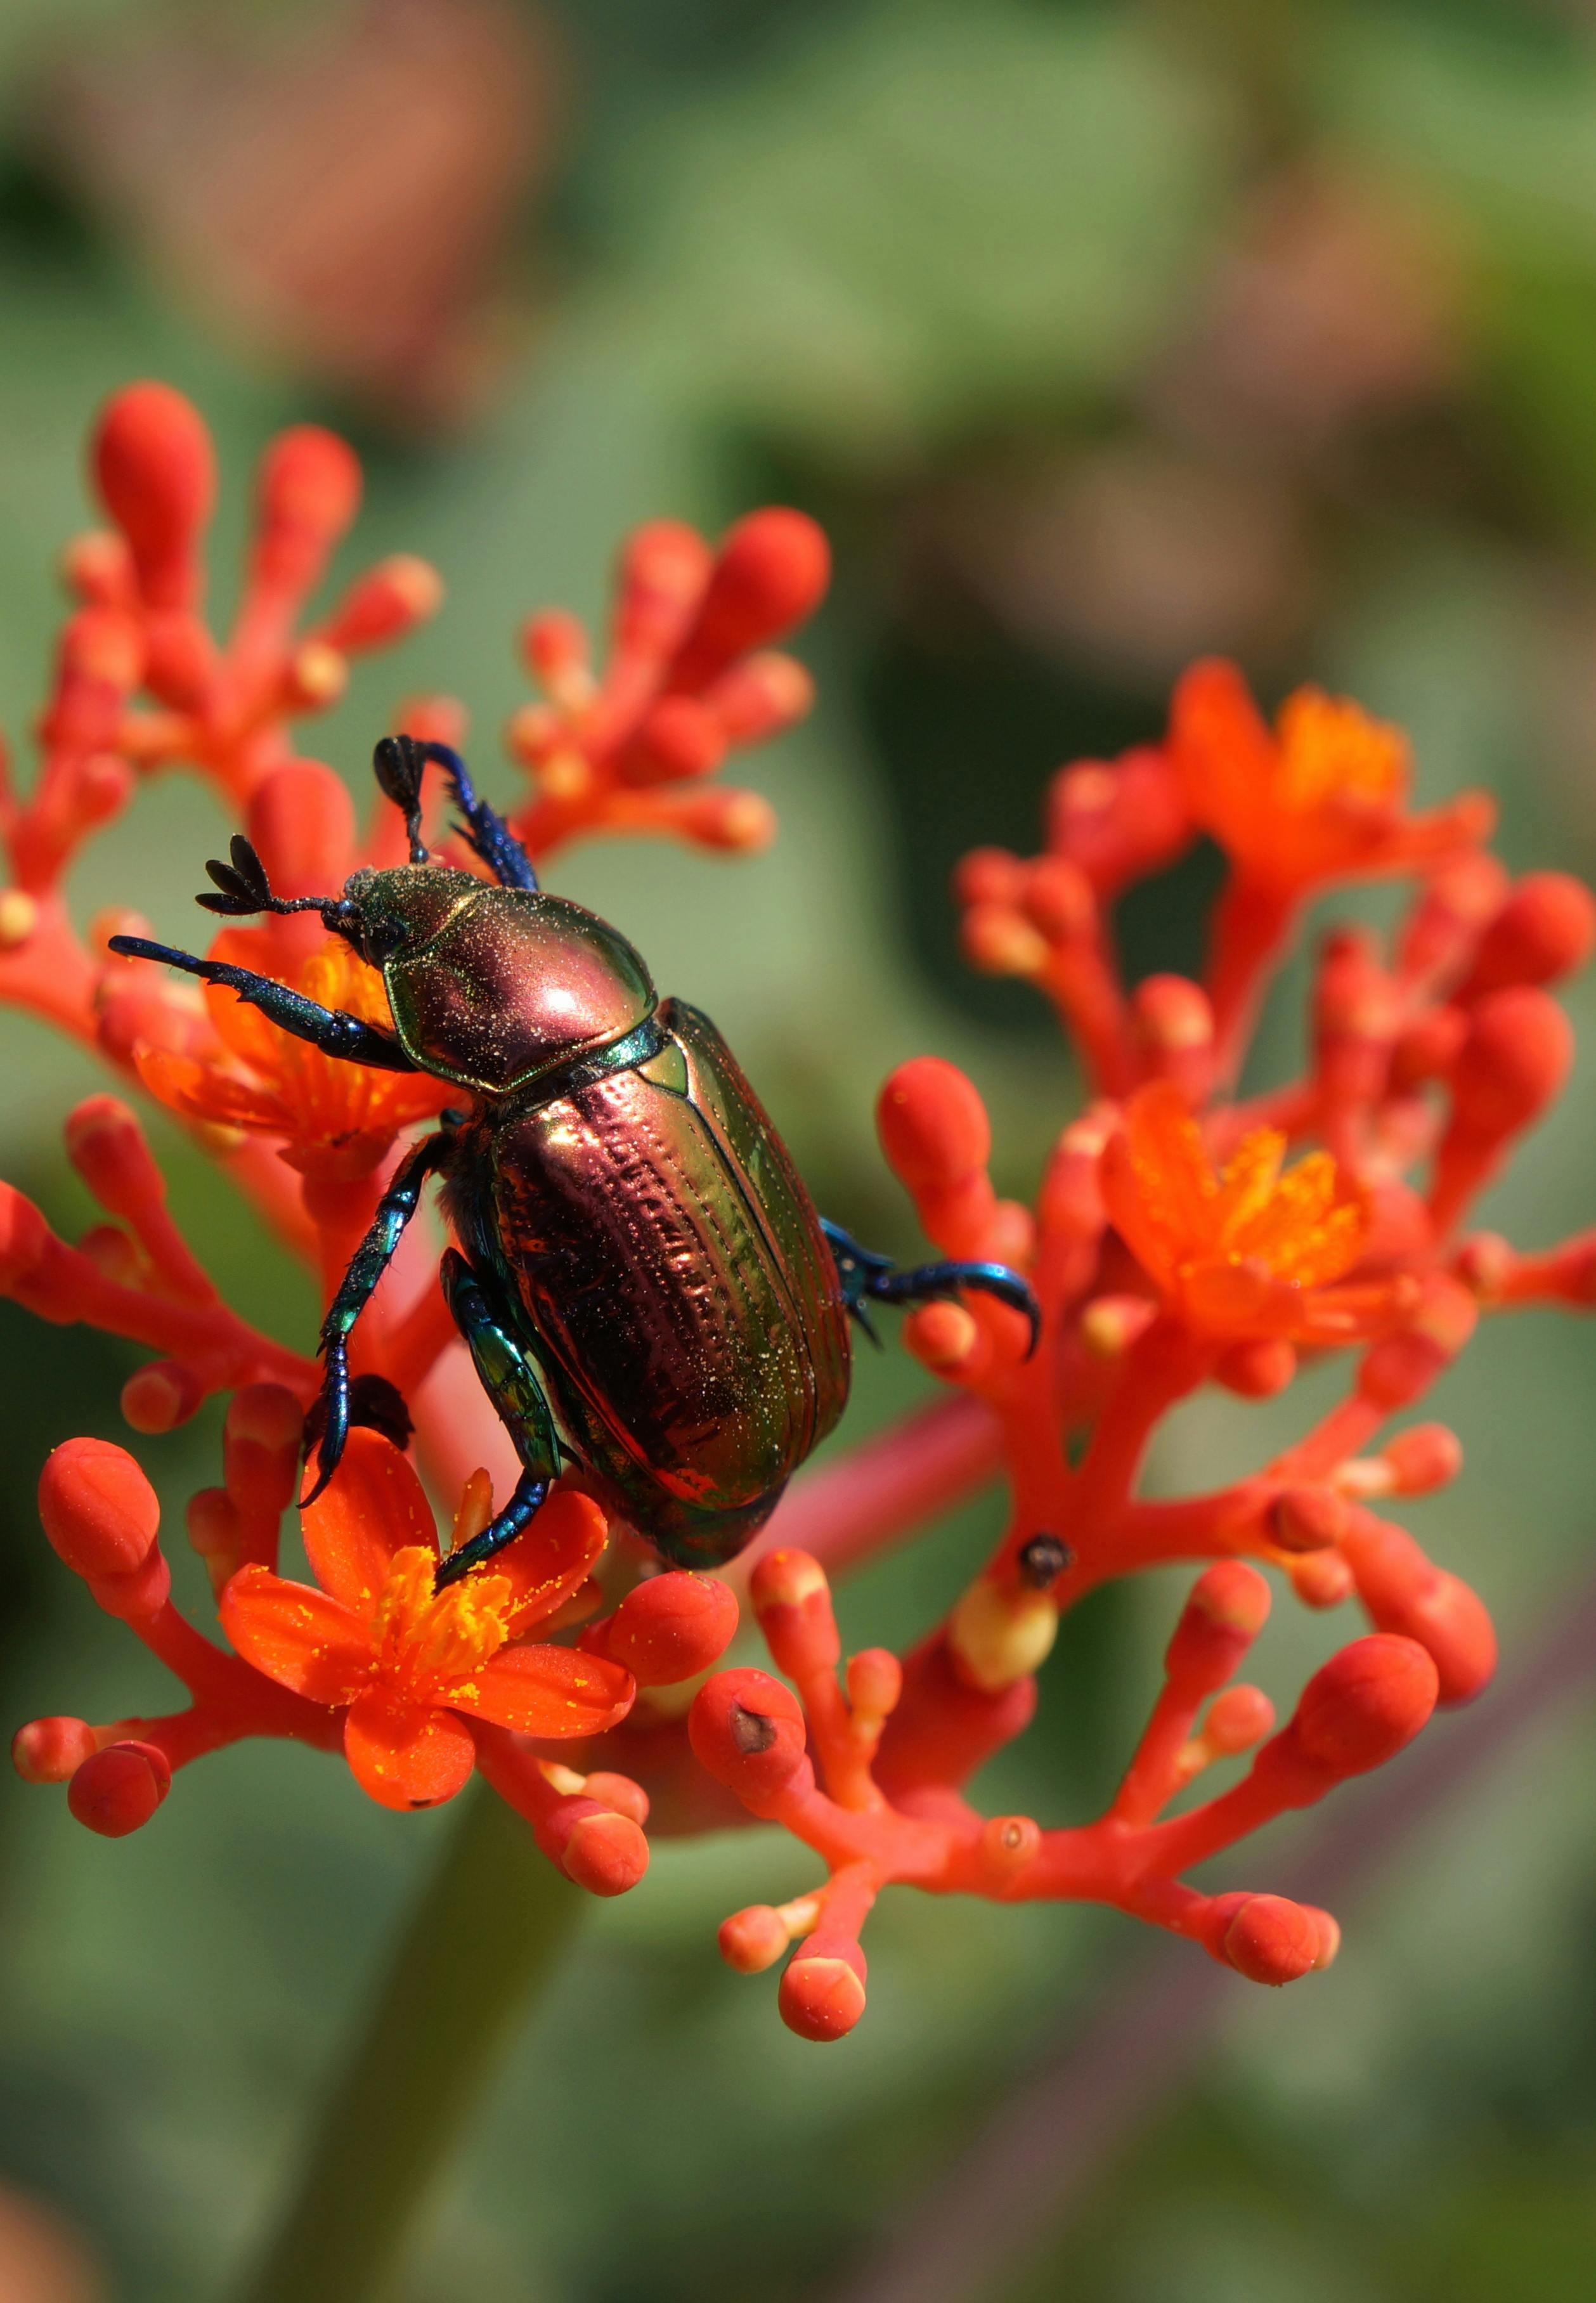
[485, 1937]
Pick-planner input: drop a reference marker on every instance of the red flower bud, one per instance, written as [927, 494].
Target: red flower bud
[1307, 1519]
[679, 739]
[823, 1998]
[1422, 1459]
[945, 1339]
[793, 1602]
[664, 569]
[933, 1126]
[260, 1447]
[99, 568]
[117, 1790]
[670, 1628]
[1237, 1718]
[307, 492]
[603, 1852]
[1455, 906]
[144, 1590]
[1257, 1371]
[754, 1939]
[1518, 1055]
[1428, 1047]
[738, 821]
[155, 472]
[1360, 1709]
[1544, 932]
[991, 875]
[384, 604]
[1321, 1579]
[771, 572]
[1228, 1609]
[1057, 899]
[748, 1731]
[107, 1147]
[303, 820]
[99, 1510]
[874, 1683]
[619, 1793]
[1119, 822]
[162, 1395]
[1174, 1019]
[759, 698]
[1405, 1593]
[1399, 1367]
[1267, 1938]
[25, 1237]
[554, 644]
[52, 1751]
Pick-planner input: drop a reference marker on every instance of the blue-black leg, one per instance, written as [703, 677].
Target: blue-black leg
[485, 828]
[511, 1382]
[366, 1266]
[868, 1278]
[330, 1029]
[398, 762]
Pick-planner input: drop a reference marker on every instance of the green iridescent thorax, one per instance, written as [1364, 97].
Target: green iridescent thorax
[509, 983]
[401, 909]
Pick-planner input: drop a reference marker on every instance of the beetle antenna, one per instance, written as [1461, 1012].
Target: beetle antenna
[398, 762]
[241, 887]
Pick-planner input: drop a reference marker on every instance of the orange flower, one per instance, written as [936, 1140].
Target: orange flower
[1248, 1252]
[1323, 797]
[408, 1662]
[339, 1119]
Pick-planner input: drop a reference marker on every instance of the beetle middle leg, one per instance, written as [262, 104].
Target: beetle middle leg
[869, 1277]
[398, 762]
[512, 1383]
[366, 1266]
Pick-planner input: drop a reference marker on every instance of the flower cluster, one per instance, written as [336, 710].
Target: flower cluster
[1179, 1238]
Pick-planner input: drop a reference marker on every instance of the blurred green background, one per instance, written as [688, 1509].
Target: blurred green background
[1098, 336]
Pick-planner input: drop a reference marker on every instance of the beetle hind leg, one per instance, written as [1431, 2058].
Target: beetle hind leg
[511, 1382]
[867, 1277]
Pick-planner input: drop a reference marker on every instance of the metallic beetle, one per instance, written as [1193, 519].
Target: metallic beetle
[642, 1279]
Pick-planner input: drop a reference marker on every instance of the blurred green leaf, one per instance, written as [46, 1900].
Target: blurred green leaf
[938, 219]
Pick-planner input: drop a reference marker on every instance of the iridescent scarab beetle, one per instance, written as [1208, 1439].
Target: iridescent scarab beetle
[643, 1282]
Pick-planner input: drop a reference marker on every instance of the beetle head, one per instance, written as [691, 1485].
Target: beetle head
[387, 914]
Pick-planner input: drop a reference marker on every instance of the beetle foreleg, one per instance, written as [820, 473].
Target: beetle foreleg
[366, 1266]
[511, 1382]
[330, 1029]
[869, 1277]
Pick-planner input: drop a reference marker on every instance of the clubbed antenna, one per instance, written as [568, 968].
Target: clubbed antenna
[398, 762]
[242, 884]
[243, 888]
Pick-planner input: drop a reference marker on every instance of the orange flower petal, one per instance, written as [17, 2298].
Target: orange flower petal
[204, 1092]
[295, 1635]
[1240, 1299]
[1223, 751]
[1127, 1212]
[551, 1560]
[546, 1691]
[374, 1509]
[406, 1755]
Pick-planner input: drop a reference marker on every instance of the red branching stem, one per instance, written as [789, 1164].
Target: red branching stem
[1253, 923]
